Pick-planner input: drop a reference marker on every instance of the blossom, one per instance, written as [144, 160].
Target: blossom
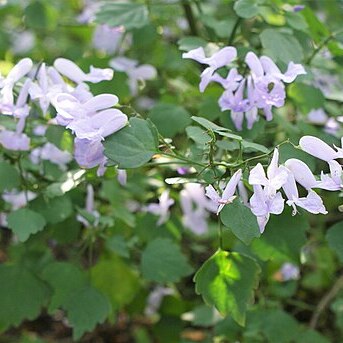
[274, 179]
[318, 148]
[155, 299]
[162, 208]
[289, 271]
[50, 152]
[195, 207]
[263, 204]
[89, 209]
[107, 38]
[217, 60]
[73, 72]
[18, 199]
[311, 203]
[6, 84]
[228, 193]
[122, 176]
[134, 71]
[332, 182]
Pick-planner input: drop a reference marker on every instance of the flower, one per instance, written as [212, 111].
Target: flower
[134, 71]
[228, 193]
[162, 208]
[217, 60]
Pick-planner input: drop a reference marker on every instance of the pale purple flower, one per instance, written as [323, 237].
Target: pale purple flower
[88, 153]
[18, 199]
[263, 204]
[107, 38]
[219, 59]
[69, 69]
[89, 208]
[23, 42]
[195, 208]
[317, 116]
[162, 208]
[243, 193]
[6, 84]
[289, 271]
[228, 194]
[332, 182]
[311, 203]
[134, 71]
[274, 179]
[298, 8]
[13, 140]
[155, 299]
[44, 89]
[50, 152]
[302, 173]
[40, 130]
[332, 126]
[122, 176]
[317, 148]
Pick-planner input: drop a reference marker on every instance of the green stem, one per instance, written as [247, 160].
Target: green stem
[187, 8]
[181, 158]
[234, 30]
[322, 45]
[220, 234]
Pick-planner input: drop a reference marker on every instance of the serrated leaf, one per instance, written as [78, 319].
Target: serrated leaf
[169, 119]
[87, 308]
[9, 177]
[281, 46]
[246, 8]
[222, 131]
[25, 222]
[226, 281]
[129, 15]
[65, 279]
[162, 261]
[133, 146]
[54, 210]
[22, 295]
[334, 236]
[241, 221]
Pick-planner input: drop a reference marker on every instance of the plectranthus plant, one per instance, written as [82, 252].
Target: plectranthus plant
[171, 171]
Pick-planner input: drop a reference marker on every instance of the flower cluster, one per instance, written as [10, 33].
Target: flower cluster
[262, 88]
[91, 118]
[267, 198]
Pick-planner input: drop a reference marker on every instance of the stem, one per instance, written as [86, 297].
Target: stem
[325, 301]
[21, 171]
[322, 45]
[220, 234]
[181, 158]
[234, 30]
[190, 17]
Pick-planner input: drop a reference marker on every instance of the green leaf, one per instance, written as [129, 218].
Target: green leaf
[283, 237]
[296, 20]
[306, 97]
[162, 261]
[189, 43]
[222, 28]
[241, 221]
[65, 279]
[334, 236]
[227, 280]
[87, 308]
[116, 279]
[254, 147]
[246, 8]
[118, 245]
[25, 222]
[169, 119]
[222, 131]
[198, 135]
[9, 177]
[22, 295]
[129, 15]
[281, 46]
[54, 210]
[132, 146]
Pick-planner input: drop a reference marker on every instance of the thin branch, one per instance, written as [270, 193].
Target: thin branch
[190, 17]
[325, 301]
[234, 30]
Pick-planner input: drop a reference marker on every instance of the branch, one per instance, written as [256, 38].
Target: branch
[325, 301]
[190, 17]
